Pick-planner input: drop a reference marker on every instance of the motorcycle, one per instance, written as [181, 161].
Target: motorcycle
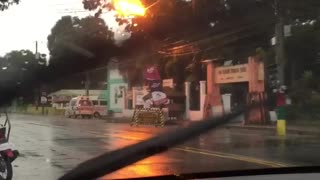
[8, 153]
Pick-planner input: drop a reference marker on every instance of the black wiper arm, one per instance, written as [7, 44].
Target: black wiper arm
[115, 160]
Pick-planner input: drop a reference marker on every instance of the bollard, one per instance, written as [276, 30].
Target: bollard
[281, 122]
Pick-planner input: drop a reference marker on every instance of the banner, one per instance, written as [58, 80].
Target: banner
[155, 97]
[167, 83]
[231, 74]
[159, 98]
[155, 85]
[152, 73]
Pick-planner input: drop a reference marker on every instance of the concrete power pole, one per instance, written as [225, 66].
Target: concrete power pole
[279, 46]
[38, 94]
[87, 83]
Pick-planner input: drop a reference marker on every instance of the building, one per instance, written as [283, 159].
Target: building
[116, 89]
[61, 98]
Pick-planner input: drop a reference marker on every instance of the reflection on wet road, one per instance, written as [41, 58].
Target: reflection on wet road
[50, 146]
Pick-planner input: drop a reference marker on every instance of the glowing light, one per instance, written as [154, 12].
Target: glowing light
[129, 8]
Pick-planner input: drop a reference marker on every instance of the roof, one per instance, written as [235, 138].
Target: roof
[77, 92]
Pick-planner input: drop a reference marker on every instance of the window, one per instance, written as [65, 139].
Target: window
[73, 102]
[103, 103]
[95, 102]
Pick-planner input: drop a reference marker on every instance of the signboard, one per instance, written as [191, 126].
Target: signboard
[155, 97]
[148, 116]
[152, 73]
[159, 98]
[116, 95]
[155, 85]
[167, 83]
[231, 74]
[139, 98]
[287, 30]
[43, 100]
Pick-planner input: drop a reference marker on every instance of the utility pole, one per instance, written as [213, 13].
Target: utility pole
[281, 62]
[279, 46]
[196, 5]
[36, 48]
[87, 83]
[38, 94]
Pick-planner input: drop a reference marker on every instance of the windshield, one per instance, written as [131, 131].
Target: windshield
[85, 103]
[155, 67]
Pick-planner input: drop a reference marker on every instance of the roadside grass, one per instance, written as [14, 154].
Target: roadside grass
[38, 111]
[303, 116]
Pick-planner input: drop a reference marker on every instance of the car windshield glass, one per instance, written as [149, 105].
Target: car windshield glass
[85, 103]
[82, 78]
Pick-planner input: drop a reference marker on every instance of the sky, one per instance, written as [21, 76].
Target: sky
[31, 20]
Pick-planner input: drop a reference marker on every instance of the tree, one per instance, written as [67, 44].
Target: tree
[302, 50]
[82, 43]
[4, 4]
[20, 72]
[19, 65]
[212, 28]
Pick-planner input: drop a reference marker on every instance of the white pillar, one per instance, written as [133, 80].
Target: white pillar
[226, 100]
[124, 98]
[134, 97]
[187, 94]
[203, 87]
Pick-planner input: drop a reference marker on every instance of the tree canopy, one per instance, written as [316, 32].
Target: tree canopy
[4, 4]
[183, 30]
[81, 43]
[303, 49]
[20, 72]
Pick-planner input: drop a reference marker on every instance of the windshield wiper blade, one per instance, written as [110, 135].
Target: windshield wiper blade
[115, 160]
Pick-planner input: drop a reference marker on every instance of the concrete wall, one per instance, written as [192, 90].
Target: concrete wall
[126, 113]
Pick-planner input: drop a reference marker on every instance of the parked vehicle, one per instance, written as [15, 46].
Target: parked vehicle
[100, 108]
[80, 106]
[8, 153]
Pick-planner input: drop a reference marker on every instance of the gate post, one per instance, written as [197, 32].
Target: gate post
[214, 101]
[202, 95]
[256, 95]
[187, 94]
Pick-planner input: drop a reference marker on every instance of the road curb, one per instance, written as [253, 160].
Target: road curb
[273, 129]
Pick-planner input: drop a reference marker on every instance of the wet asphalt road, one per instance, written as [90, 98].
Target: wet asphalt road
[50, 146]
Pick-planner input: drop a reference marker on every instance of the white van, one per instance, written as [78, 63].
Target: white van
[100, 108]
[80, 106]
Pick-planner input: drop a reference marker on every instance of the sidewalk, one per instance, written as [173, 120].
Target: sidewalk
[291, 129]
[128, 120]
[298, 129]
